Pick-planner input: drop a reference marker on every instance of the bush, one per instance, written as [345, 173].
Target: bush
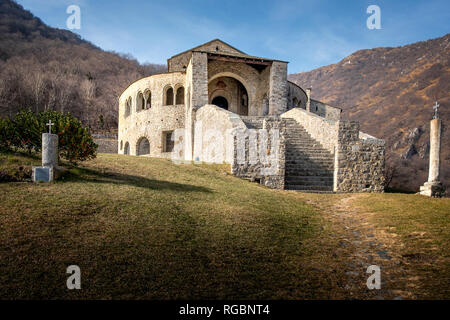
[6, 132]
[75, 141]
[25, 130]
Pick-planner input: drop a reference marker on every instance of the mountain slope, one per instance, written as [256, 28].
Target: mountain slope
[391, 91]
[48, 68]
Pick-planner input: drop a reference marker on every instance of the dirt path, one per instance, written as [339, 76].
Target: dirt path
[363, 244]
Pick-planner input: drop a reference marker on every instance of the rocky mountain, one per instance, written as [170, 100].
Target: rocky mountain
[48, 68]
[391, 91]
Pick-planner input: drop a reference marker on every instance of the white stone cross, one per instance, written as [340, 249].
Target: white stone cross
[50, 124]
[435, 107]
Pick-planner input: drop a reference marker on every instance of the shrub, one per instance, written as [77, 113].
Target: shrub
[6, 132]
[75, 141]
[25, 130]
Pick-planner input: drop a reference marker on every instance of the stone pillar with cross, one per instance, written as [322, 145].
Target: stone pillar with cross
[49, 169]
[433, 187]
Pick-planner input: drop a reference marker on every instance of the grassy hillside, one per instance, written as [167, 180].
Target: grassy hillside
[143, 228]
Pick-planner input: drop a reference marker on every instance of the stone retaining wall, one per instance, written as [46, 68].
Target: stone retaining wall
[107, 145]
[359, 163]
[259, 154]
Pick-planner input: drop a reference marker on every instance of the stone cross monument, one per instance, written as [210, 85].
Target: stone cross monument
[433, 187]
[49, 169]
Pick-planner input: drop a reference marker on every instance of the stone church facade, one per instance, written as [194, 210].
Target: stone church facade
[217, 104]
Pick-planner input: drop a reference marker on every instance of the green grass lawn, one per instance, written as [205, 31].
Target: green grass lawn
[143, 228]
[148, 228]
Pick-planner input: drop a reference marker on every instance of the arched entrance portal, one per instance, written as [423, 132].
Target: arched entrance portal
[221, 102]
[229, 93]
[143, 147]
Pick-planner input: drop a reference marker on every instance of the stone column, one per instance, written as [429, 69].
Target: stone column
[433, 187]
[49, 170]
[435, 149]
[49, 150]
[308, 99]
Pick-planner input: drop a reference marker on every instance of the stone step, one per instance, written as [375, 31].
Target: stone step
[308, 155]
[311, 170]
[309, 161]
[308, 188]
[311, 181]
[310, 177]
[316, 173]
[307, 171]
[306, 184]
[304, 143]
[312, 191]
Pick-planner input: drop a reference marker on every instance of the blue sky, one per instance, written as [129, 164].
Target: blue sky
[307, 33]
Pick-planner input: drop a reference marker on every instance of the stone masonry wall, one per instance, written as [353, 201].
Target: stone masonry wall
[295, 92]
[213, 134]
[106, 145]
[199, 81]
[359, 163]
[152, 122]
[279, 89]
[324, 110]
[260, 154]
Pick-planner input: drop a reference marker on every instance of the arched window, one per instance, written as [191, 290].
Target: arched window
[140, 102]
[127, 148]
[148, 100]
[128, 107]
[180, 96]
[143, 147]
[169, 96]
[121, 144]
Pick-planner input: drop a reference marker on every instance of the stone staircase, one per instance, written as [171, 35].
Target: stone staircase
[309, 167]
[253, 122]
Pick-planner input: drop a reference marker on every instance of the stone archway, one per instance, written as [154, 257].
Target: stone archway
[229, 93]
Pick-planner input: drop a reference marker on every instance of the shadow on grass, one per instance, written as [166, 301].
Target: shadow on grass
[88, 175]
[395, 190]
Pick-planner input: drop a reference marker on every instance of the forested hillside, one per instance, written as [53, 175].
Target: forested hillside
[47, 68]
[391, 91]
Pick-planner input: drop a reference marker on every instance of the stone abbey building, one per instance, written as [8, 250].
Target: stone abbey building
[217, 104]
